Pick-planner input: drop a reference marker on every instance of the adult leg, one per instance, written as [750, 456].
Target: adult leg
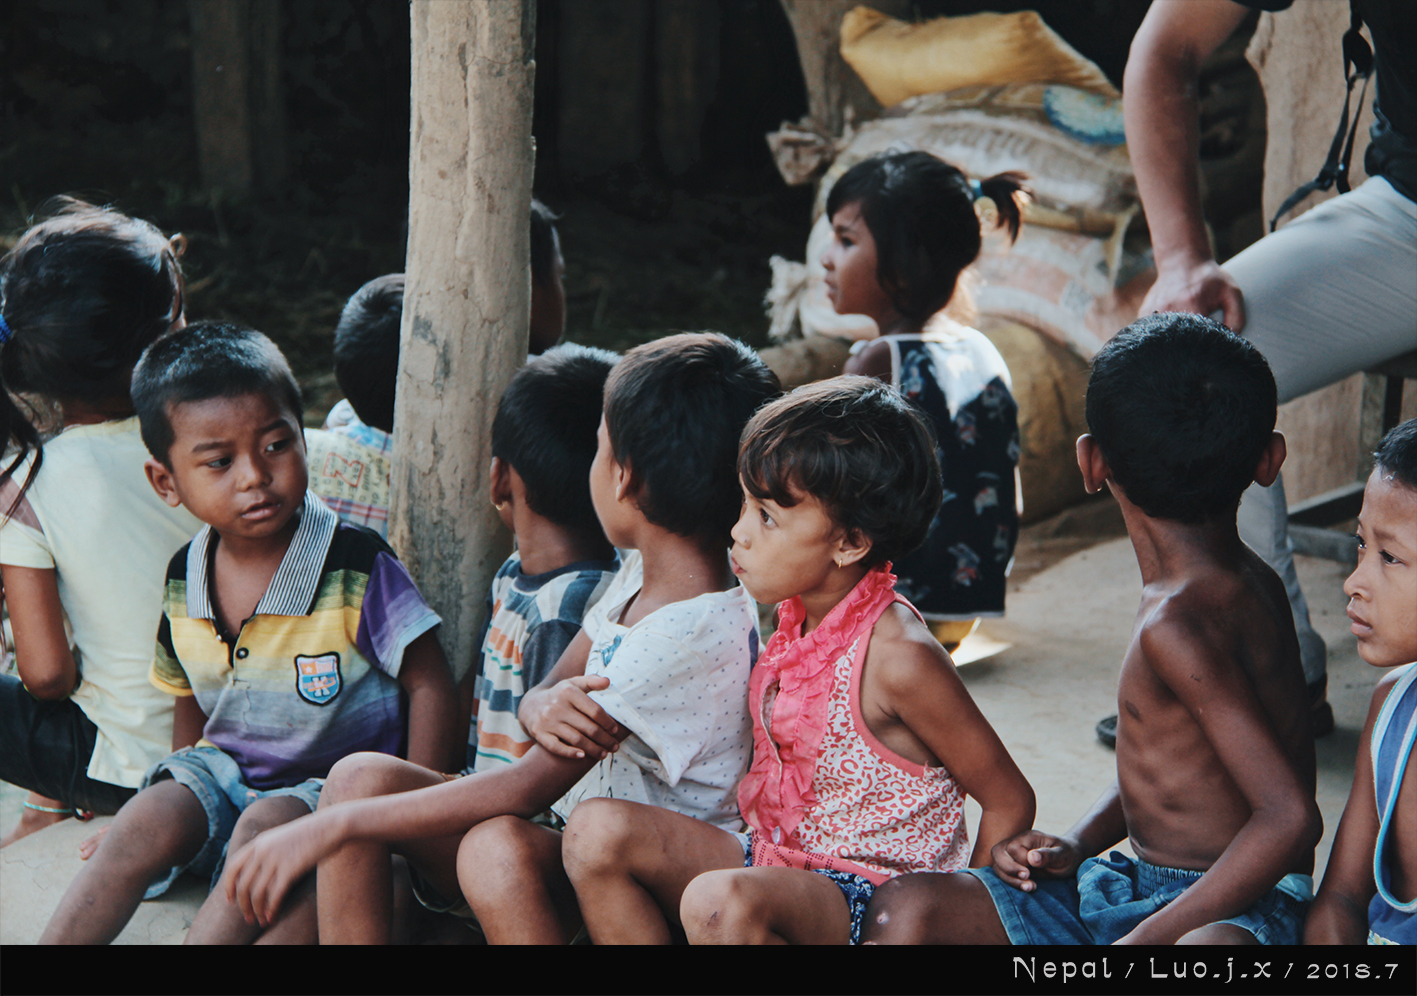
[765, 906]
[511, 874]
[933, 909]
[630, 865]
[1328, 295]
[221, 922]
[164, 826]
[354, 885]
[45, 747]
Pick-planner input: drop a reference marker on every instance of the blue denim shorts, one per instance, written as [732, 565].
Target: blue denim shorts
[215, 780]
[1112, 895]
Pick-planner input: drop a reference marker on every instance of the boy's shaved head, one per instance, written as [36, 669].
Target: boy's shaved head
[1182, 409]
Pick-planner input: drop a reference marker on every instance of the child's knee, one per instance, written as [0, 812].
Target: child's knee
[360, 776]
[599, 835]
[264, 814]
[155, 828]
[715, 902]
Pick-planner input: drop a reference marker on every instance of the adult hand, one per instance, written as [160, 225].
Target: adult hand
[1201, 288]
[566, 722]
[1034, 854]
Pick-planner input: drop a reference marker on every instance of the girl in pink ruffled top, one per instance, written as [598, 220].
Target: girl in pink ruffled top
[865, 739]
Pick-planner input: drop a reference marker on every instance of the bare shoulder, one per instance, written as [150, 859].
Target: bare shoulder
[903, 652]
[872, 360]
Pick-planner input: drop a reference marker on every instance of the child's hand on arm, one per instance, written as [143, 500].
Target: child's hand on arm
[560, 715]
[1340, 911]
[1032, 855]
[432, 705]
[42, 653]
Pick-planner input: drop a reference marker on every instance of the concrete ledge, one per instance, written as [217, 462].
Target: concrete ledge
[35, 871]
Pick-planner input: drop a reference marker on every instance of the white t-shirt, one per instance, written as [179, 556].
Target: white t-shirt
[92, 516]
[679, 682]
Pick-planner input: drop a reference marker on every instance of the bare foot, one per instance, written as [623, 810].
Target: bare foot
[32, 820]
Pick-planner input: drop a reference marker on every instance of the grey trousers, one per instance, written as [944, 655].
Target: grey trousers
[1330, 294]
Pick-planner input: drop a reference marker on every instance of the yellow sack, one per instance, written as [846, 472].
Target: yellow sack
[897, 60]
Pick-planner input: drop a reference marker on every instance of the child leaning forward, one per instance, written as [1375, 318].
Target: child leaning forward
[865, 739]
[288, 639]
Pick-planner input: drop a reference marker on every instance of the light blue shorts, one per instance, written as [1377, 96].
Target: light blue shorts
[1112, 895]
[215, 780]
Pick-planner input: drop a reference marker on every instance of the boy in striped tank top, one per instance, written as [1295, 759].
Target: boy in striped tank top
[1370, 889]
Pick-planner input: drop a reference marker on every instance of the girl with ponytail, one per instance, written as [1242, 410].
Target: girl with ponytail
[84, 539]
[905, 227]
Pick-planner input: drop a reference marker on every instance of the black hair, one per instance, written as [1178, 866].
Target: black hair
[367, 349]
[674, 410]
[920, 211]
[1182, 409]
[545, 243]
[1397, 453]
[545, 429]
[207, 360]
[84, 291]
[859, 448]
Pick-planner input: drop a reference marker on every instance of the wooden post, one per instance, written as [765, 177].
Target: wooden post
[467, 297]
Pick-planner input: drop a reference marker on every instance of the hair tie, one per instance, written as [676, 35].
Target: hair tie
[975, 190]
[6, 333]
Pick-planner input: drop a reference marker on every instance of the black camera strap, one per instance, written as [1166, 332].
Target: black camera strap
[1357, 64]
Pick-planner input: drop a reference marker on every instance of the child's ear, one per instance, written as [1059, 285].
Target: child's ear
[1267, 470]
[1092, 464]
[160, 478]
[627, 486]
[501, 487]
[851, 547]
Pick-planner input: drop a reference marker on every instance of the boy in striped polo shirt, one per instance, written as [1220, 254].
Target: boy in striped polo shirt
[543, 443]
[288, 638]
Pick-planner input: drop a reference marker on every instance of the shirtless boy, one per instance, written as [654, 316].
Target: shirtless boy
[1369, 891]
[1215, 765]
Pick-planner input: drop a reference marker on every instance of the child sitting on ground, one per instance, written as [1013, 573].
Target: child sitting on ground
[543, 445]
[1215, 764]
[865, 739]
[289, 639]
[350, 457]
[83, 538]
[1370, 869]
[904, 227]
[666, 652]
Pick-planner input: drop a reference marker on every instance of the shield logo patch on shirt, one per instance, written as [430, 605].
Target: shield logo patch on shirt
[317, 679]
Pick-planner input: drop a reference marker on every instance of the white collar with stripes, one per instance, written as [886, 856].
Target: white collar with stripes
[292, 590]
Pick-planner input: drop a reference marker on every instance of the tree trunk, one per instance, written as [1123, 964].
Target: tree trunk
[832, 85]
[467, 298]
[220, 33]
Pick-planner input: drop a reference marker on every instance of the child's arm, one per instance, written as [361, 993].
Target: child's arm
[262, 872]
[560, 715]
[921, 686]
[42, 653]
[1035, 854]
[1199, 668]
[432, 704]
[188, 722]
[1340, 911]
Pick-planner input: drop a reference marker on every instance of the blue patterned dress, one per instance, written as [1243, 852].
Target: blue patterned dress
[956, 376]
